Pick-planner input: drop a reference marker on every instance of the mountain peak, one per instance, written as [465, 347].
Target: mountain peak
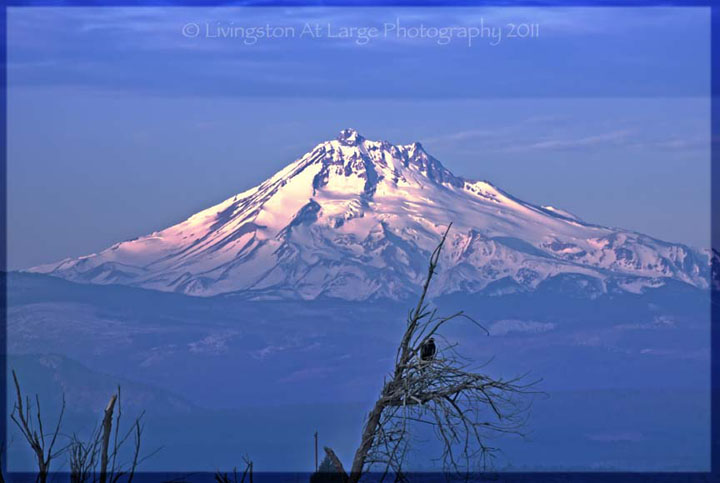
[356, 219]
[350, 137]
[416, 147]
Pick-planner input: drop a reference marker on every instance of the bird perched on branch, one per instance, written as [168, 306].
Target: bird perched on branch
[428, 350]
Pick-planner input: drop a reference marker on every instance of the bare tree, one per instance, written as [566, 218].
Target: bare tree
[439, 388]
[106, 430]
[247, 474]
[33, 431]
[85, 456]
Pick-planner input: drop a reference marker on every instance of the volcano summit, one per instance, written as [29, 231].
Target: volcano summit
[356, 219]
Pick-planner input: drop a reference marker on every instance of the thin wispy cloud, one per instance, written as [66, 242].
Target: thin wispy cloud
[554, 134]
[682, 144]
[451, 138]
[495, 134]
[611, 138]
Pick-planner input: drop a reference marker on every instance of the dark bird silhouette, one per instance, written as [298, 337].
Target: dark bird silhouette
[428, 350]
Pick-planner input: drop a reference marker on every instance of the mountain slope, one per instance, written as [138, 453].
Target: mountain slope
[355, 219]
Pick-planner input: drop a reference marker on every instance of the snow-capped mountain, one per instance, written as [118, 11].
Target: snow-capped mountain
[356, 219]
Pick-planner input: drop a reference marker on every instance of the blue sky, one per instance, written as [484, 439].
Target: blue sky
[118, 124]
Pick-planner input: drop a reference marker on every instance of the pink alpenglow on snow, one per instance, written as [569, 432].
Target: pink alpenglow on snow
[355, 219]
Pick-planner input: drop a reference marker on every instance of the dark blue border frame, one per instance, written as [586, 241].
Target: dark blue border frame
[713, 475]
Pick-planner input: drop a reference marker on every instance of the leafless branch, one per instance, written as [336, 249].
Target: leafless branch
[97, 456]
[84, 457]
[447, 391]
[106, 431]
[247, 474]
[21, 416]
